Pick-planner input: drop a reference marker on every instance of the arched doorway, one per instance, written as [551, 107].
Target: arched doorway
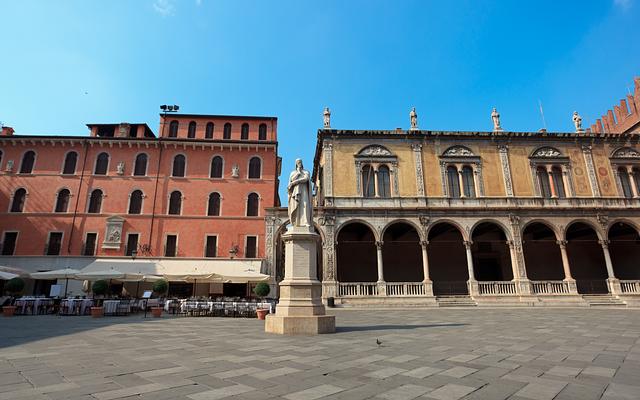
[624, 247]
[356, 254]
[491, 255]
[542, 253]
[402, 254]
[280, 254]
[447, 260]
[586, 259]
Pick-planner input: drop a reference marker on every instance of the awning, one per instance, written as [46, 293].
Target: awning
[213, 270]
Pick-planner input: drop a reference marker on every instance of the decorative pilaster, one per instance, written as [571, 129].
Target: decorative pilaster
[395, 191]
[503, 150]
[417, 158]
[329, 276]
[328, 169]
[588, 158]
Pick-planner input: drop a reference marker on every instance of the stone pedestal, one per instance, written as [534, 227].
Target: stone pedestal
[300, 310]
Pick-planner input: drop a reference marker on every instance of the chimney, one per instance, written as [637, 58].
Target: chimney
[7, 131]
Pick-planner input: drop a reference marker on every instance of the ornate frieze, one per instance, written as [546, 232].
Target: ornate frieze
[458, 151]
[626, 152]
[546, 152]
[375, 151]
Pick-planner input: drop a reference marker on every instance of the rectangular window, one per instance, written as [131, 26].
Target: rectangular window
[9, 243]
[132, 244]
[170, 246]
[211, 248]
[251, 250]
[55, 244]
[90, 244]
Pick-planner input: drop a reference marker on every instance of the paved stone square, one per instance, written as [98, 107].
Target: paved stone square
[441, 354]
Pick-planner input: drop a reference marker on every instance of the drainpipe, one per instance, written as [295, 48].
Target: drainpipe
[75, 210]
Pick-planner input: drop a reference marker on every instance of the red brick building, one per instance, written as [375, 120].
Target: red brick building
[198, 190]
[624, 118]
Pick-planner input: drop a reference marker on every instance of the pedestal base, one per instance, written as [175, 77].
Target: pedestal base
[300, 325]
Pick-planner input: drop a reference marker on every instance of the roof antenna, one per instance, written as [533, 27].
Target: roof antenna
[544, 123]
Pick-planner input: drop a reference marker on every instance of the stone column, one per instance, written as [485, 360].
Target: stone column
[476, 179]
[472, 283]
[552, 186]
[565, 180]
[382, 287]
[375, 181]
[612, 282]
[632, 182]
[566, 267]
[428, 284]
[460, 181]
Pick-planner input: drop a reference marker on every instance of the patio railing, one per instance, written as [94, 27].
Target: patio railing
[357, 289]
[628, 286]
[550, 287]
[405, 289]
[496, 288]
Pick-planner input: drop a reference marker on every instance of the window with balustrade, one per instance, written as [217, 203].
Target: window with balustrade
[551, 172]
[461, 171]
[625, 163]
[376, 171]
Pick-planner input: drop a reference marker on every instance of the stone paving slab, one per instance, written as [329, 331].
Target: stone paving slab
[442, 354]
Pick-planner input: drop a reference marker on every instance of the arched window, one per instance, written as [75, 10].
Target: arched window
[208, 133]
[543, 180]
[368, 183]
[70, 160]
[28, 160]
[179, 164]
[62, 202]
[173, 128]
[262, 132]
[216, 167]
[102, 164]
[254, 168]
[453, 182]
[468, 183]
[558, 183]
[214, 204]
[625, 182]
[244, 131]
[252, 205]
[226, 134]
[19, 197]
[384, 181]
[636, 177]
[95, 202]
[191, 133]
[0, 158]
[140, 167]
[175, 203]
[135, 202]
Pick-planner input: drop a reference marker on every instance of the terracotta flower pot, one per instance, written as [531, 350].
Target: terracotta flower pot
[97, 312]
[9, 311]
[262, 312]
[156, 312]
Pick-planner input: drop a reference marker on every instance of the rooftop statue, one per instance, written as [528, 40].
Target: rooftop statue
[413, 115]
[495, 117]
[299, 189]
[577, 121]
[327, 118]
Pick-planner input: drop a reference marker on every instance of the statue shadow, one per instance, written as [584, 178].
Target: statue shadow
[387, 327]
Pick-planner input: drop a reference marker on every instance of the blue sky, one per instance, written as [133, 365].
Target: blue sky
[68, 63]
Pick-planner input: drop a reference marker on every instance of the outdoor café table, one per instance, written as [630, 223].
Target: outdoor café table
[75, 306]
[110, 306]
[32, 302]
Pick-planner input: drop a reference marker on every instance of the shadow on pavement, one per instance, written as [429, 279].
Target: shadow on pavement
[360, 328]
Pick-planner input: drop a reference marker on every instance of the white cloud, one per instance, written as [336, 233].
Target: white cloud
[164, 7]
[624, 4]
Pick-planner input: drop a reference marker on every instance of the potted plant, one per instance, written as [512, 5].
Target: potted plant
[13, 287]
[261, 290]
[159, 287]
[99, 288]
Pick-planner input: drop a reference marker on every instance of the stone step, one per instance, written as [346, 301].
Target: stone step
[603, 300]
[455, 301]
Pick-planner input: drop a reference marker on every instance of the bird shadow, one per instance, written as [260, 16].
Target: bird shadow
[387, 327]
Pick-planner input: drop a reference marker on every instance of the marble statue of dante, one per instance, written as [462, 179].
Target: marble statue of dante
[577, 121]
[496, 120]
[299, 189]
[327, 118]
[413, 115]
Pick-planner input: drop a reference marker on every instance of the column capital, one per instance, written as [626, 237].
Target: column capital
[511, 244]
[467, 244]
[604, 243]
[562, 243]
[379, 244]
[424, 243]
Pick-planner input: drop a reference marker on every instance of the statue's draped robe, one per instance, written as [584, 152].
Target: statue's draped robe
[300, 207]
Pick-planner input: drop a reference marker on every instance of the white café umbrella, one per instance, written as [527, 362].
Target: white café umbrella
[7, 275]
[140, 278]
[66, 273]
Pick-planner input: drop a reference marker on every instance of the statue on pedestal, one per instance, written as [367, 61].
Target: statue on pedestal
[577, 121]
[299, 189]
[327, 118]
[413, 116]
[495, 117]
